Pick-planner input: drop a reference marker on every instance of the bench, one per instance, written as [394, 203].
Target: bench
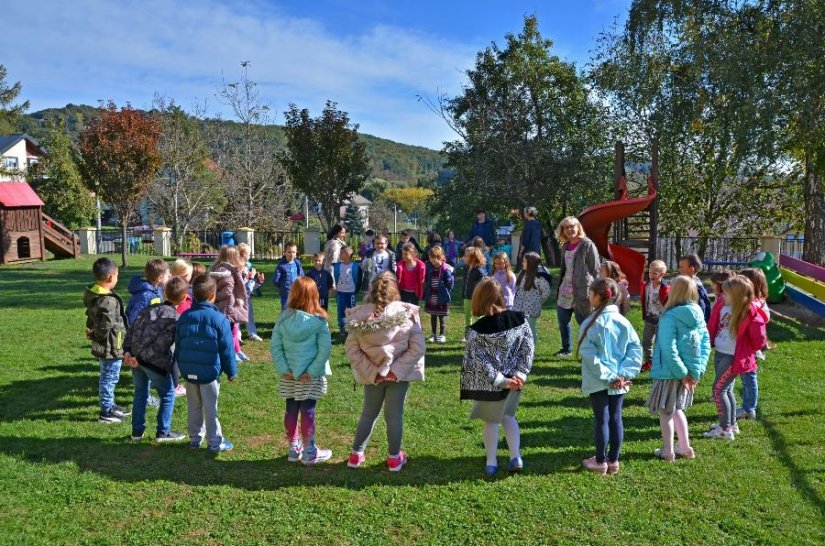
[712, 263]
[190, 255]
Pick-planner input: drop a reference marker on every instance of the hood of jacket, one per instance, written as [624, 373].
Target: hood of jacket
[94, 291]
[138, 284]
[689, 316]
[299, 324]
[363, 319]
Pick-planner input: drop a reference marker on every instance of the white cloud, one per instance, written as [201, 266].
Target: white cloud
[86, 50]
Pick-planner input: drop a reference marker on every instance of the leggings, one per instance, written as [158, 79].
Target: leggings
[392, 396]
[607, 409]
[306, 408]
[723, 390]
[437, 321]
[236, 337]
[408, 296]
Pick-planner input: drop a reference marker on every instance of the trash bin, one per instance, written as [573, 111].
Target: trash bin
[227, 238]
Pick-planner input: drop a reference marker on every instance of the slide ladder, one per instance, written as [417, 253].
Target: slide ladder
[59, 239]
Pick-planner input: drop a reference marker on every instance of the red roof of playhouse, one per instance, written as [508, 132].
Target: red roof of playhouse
[18, 194]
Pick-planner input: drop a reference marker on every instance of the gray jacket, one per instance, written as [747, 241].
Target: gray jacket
[585, 271]
[151, 339]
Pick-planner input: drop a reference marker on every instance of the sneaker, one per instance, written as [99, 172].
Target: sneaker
[120, 412]
[490, 470]
[464, 340]
[109, 416]
[431, 339]
[686, 454]
[321, 455]
[356, 460]
[194, 444]
[294, 454]
[720, 433]
[395, 464]
[180, 390]
[735, 427]
[255, 337]
[170, 437]
[226, 445]
[667, 457]
[137, 437]
[240, 355]
[153, 401]
[742, 414]
[563, 353]
[515, 465]
[612, 467]
[441, 339]
[592, 465]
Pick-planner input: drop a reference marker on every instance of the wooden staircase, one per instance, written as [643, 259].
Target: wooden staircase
[59, 240]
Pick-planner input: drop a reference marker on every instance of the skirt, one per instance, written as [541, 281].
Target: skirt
[434, 308]
[313, 389]
[669, 395]
[494, 411]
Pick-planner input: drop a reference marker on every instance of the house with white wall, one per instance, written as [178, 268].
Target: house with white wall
[17, 154]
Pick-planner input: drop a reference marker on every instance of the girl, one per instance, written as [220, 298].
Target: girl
[252, 280]
[496, 363]
[532, 290]
[385, 346]
[738, 332]
[679, 361]
[410, 273]
[198, 269]
[347, 282]
[438, 285]
[654, 296]
[230, 297]
[433, 239]
[182, 268]
[332, 248]
[579, 267]
[612, 270]
[717, 279]
[475, 265]
[750, 387]
[611, 356]
[478, 242]
[504, 275]
[451, 248]
[301, 346]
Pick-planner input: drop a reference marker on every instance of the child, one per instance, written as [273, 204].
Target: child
[654, 297]
[498, 359]
[478, 242]
[612, 270]
[502, 247]
[438, 285]
[182, 268]
[738, 332]
[532, 290]
[379, 261]
[105, 327]
[750, 387]
[148, 289]
[347, 283]
[504, 275]
[203, 349]
[198, 269]
[231, 292]
[451, 248]
[410, 273]
[385, 346]
[611, 357]
[690, 265]
[680, 360]
[323, 279]
[301, 346]
[433, 239]
[476, 269]
[366, 244]
[252, 279]
[148, 350]
[406, 237]
[287, 270]
[717, 279]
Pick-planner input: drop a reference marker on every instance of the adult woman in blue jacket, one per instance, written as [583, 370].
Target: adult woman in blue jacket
[679, 361]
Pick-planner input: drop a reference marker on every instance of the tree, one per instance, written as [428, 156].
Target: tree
[413, 201]
[120, 160]
[9, 112]
[57, 179]
[187, 188]
[353, 220]
[324, 158]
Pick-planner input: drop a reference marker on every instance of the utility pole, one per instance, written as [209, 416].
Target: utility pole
[395, 219]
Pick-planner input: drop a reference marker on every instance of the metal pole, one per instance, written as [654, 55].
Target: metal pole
[395, 219]
[306, 210]
[99, 224]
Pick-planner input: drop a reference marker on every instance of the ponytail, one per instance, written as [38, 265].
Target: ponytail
[608, 292]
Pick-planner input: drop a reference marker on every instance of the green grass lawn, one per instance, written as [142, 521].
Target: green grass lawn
[65, 478]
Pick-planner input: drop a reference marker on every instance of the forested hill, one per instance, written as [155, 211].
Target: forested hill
[392, 161]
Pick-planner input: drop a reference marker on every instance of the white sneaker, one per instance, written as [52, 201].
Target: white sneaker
[720, 434]
[441, 339]
[431, 339]
[735, 428]
[255, 337]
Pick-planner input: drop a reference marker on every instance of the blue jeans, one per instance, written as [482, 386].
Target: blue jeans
[532, 322]
[346, 300]
[750, 391]
[608, 426]
[251, 328]
[564, 317]
[109, 376]
[142, 377]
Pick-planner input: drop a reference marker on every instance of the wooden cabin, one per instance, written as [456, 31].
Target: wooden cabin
[21, 225]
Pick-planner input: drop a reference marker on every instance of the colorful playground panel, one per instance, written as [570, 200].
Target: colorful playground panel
[805, 283]
[812, 287]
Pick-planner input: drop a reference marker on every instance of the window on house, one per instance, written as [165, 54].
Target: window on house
[10, 162]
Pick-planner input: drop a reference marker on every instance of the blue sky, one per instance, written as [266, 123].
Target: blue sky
[372, 57]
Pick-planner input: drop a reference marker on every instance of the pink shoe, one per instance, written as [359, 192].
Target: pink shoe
[612, 467]
[356, 460]
[686, 454]
[395, 464]
[595, 467]
[666, 457]
[180, 390]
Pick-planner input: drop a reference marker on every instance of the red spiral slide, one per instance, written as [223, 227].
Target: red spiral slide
[597, 220]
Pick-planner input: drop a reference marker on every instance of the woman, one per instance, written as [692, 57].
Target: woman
[531, 235]
[332, 249]
[579, 267]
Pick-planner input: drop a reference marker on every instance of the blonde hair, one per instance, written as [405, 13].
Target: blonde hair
[487, 296]
[682, 290]
[740, 290]
[659, 265]
[475, 257]
[243, 248]
[384, 290]
[507, 267]
[230, 255]
[437, 252]
[570, 220]
[181, 268]
[760, 282]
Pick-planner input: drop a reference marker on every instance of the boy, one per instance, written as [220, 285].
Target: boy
[379, 260]
[403, 238]
[203, 349]
[654, 297]
[148, 289]
[323, 279]
[347, 277]
[690, 265]
[105, 327]
[148, 350]
[287, 271]
[367, 244]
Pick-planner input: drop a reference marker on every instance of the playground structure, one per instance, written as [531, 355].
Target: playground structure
[804, 283]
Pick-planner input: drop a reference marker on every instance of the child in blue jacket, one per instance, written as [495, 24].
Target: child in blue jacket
[611, 356]
[323, 279]
[347, 282]
[438, 285]
[679, 361]
[289, 269]
[146, 290]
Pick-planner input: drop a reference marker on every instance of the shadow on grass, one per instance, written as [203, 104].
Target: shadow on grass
[782, 328]
[578, 430]
[47, 398]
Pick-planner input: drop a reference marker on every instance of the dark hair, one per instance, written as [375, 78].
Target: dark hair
[608, 292]
[334, 231]
[289, 244]
[203, 287]
[481, 210]
[434, 238]
[155, 269]
[719, 277]
[176, 289]
[369, 233]
[529, 274]
[760, 282]
[103, 268]
[406, 233]
[693, 261]
[198, 269]
[614, 271]
[410, 247]
[479, 243]
[487, 293]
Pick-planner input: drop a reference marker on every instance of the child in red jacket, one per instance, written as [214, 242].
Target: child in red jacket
[654, 298]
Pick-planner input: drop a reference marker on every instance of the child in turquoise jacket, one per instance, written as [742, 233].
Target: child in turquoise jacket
[301, 346]
[679, 361]
[611, 356]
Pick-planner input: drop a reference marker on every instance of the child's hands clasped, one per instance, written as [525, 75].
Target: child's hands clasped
[288, 376]
[390, 377]
[304, 378]
[514, 383]
[689, 383]
[621, 383]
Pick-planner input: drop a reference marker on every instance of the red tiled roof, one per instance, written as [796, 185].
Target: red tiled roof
[18, 194]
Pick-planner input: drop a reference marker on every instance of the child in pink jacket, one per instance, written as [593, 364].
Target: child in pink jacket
[385, 346]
